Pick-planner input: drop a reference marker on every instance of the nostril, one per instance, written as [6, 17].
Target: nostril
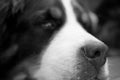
[90, 53]
[97, 53]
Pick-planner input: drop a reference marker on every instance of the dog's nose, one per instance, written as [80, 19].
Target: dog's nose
[95, 52]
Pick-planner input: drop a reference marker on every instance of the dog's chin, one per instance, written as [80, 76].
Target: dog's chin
[80, 70]
[88, 72]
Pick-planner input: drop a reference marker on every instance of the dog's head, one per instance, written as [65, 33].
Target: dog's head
[45, 40]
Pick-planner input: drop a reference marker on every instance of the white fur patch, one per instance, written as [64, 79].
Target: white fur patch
[59, 58]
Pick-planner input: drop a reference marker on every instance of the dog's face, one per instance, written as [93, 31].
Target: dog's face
[45, 40]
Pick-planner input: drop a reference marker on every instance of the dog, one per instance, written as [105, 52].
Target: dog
[48, 40]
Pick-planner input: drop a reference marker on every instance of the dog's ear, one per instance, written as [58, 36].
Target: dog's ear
[10, 7]
[17, 5]
[9, 14]
[4, 7]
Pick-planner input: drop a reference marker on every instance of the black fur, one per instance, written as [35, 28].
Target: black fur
[23, 34]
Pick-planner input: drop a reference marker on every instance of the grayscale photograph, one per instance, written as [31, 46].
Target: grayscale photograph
[59, 40]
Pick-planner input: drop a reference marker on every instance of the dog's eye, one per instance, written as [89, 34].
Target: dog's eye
[48, 25]
[46, 21]
[45, 24]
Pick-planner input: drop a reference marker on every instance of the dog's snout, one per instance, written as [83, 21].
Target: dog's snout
[95, 51]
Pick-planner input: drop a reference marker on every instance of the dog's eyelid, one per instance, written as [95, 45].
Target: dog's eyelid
[44, 19]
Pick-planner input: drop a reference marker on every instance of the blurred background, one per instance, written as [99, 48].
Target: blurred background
[108, 30]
